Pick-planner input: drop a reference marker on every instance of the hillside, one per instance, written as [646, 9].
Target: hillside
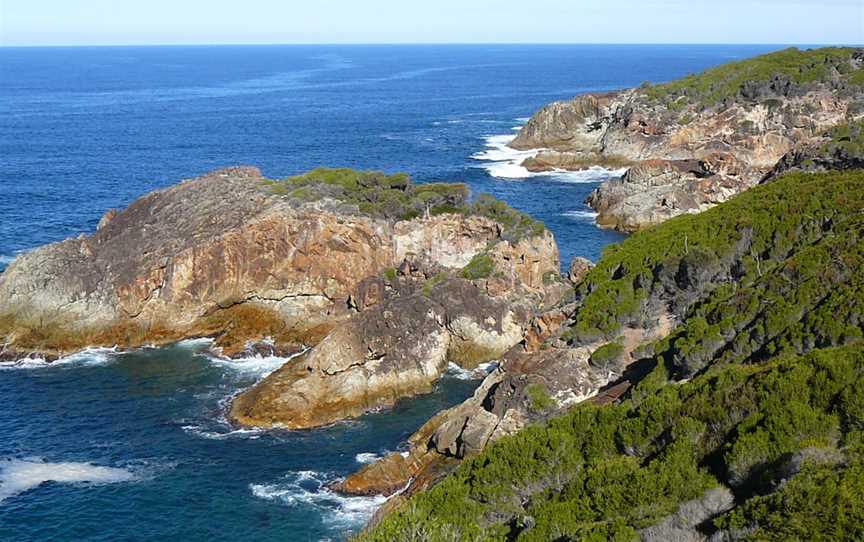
[750, 411]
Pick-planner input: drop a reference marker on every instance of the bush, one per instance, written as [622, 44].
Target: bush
[481, 266]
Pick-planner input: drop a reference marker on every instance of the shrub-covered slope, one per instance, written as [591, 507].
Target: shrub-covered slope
[761, 441]
[790, 71]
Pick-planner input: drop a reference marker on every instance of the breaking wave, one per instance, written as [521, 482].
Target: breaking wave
[504, 162]
[85, 358]
[257, 366]
[581, 215]
[481, 371]
[308, 489]
[19, 475]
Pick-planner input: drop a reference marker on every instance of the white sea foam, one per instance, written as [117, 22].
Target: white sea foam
[19, 475]
[6, 259]
[506, 163]
[470, 374]
[195, 344]
[309, 489]
[366, 458]
[86, 358]
[251, 433]
[581, 215]
[259, 366]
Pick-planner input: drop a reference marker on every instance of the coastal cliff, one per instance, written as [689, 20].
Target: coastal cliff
[698, 141]
[386, 281]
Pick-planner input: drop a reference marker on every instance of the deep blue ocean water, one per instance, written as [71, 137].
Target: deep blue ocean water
[136, 444]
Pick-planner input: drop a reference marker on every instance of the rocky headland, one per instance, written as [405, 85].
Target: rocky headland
[703, 384]
[384, 281]
[698, 141]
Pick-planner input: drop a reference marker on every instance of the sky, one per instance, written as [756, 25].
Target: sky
[126, 22]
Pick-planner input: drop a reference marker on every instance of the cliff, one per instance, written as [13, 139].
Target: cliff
[696, 142]
[732, 344]
[384, 281]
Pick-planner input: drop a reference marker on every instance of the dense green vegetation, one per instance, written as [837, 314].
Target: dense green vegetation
[374, 193]
[730, 81]
[845, 139]
[770, 292]
[397, 197]
[602, 473]
[754, 265]
[481, 266]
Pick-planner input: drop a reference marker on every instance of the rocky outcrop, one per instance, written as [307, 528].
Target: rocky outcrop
[841, 148]
[397, 348]
[241, 258]
[534, 381]
[578, 270]
[656, 190]
[693, 143]
[320, 261]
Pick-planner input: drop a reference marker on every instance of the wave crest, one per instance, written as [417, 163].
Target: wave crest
[19, 475]
[309, 489]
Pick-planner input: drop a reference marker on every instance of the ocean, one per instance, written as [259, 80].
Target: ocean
[108, 446]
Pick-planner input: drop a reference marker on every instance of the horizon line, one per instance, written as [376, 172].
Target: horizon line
[429, 43]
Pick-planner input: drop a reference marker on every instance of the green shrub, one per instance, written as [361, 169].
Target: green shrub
[481, 266]
[396, 197]
[539, 396]
[604, 472]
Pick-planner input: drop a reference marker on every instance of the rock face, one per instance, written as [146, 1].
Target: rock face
[229, 255]
[694, 143]
[334, 260]
[395, 349]
[656, 190]
[534, 381]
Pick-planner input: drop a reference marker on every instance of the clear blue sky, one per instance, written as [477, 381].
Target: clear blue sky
[97, 22]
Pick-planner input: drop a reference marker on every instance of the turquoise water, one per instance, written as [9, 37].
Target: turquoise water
[134, 446]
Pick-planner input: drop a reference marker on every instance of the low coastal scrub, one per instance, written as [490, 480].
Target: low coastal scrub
[738, 79]
[845, 140]
[777, 249]
[397, 197]
[604, 472]
[481, 266]
[373, 192]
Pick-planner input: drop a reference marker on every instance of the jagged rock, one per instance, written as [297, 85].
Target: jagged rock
[655, 190]
[227, 256]
[530, 384]
[579, 267]
[394, 350]
[672, 136]
[839, 149]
